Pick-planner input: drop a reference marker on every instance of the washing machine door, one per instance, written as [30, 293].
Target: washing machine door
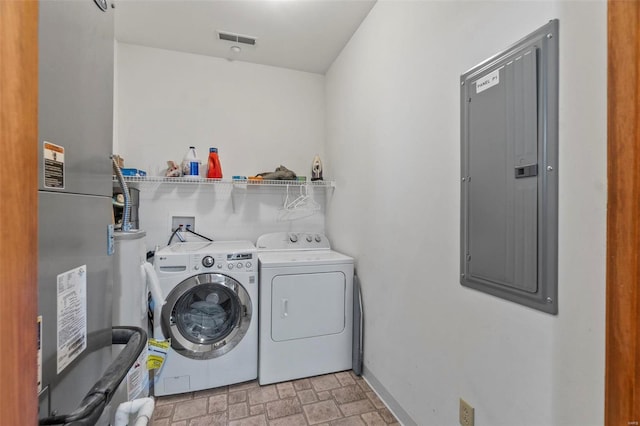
[206, 315]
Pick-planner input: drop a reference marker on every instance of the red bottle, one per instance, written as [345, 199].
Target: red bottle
[215, 170]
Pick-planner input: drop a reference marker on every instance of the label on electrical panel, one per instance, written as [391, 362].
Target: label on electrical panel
[72, 315]
[489, 80]
[53, 164]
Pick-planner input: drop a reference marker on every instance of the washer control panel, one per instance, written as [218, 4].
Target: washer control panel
[196, 257]
[293, 241]
[244, 262]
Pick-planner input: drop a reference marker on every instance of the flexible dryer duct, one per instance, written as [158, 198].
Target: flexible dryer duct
[126, 213]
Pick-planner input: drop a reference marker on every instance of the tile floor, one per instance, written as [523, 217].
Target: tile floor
[340, 399]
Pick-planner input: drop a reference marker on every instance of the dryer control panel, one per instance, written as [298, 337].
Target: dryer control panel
[293, 241]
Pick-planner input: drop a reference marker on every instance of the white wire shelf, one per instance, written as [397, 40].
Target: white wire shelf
[233, 182]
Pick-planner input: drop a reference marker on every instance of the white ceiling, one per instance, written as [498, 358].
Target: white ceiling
[305, 35]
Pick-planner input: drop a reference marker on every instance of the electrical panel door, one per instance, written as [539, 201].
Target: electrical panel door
[509, 172]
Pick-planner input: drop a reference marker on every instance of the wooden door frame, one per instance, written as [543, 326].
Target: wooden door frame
[18, 211]
[622, 395]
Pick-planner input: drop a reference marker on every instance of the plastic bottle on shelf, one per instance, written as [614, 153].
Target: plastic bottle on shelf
[316, 168]
[215, 169]
[190, 163]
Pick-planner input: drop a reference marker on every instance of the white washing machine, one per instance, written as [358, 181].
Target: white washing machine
[306, 307]
[210, 314]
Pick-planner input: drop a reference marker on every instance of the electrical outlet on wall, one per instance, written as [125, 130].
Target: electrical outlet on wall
[185, 221]
[466, 413]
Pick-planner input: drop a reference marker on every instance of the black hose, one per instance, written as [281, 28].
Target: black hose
[93, 404]
[201, 236]
[179, 228]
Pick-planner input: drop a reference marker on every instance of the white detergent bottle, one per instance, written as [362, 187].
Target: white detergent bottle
[190, 163]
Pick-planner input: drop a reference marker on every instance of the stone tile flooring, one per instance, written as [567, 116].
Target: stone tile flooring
[340, 399]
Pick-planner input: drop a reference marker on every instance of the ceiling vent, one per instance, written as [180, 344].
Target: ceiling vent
[237, 38]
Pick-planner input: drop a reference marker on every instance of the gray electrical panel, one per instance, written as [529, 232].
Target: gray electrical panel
[509, 179]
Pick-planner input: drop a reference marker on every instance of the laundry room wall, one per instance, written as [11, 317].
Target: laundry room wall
[393, 146]
[259, 117]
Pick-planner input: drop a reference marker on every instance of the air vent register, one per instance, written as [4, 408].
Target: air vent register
[237, 38]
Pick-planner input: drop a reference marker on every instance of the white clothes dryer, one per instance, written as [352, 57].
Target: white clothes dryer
[306, 307]
[209, 313]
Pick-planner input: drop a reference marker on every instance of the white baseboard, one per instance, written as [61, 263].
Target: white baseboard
[403, 417]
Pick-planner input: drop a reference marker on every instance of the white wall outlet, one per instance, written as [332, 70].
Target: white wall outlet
[185, 221]
[466, 413]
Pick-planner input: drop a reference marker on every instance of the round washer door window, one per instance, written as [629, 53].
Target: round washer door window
[206, 315]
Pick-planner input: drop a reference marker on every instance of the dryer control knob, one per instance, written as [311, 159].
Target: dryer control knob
[248, 264]
[309, 239]
[239, 265]
[293, 238]
[207, 261]
[230, 266]
[318, 238]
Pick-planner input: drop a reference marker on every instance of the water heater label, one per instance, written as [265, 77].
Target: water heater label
[72, 315]
[53, 163]
[137, 377]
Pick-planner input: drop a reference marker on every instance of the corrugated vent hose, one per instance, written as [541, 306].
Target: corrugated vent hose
[94, 402]
[126, 223]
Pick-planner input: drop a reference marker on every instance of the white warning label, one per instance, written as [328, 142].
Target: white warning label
[137, 377]
[489, 80]
[72, 315]
[53, 163]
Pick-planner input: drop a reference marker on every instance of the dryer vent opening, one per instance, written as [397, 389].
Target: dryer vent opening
[237, 38]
